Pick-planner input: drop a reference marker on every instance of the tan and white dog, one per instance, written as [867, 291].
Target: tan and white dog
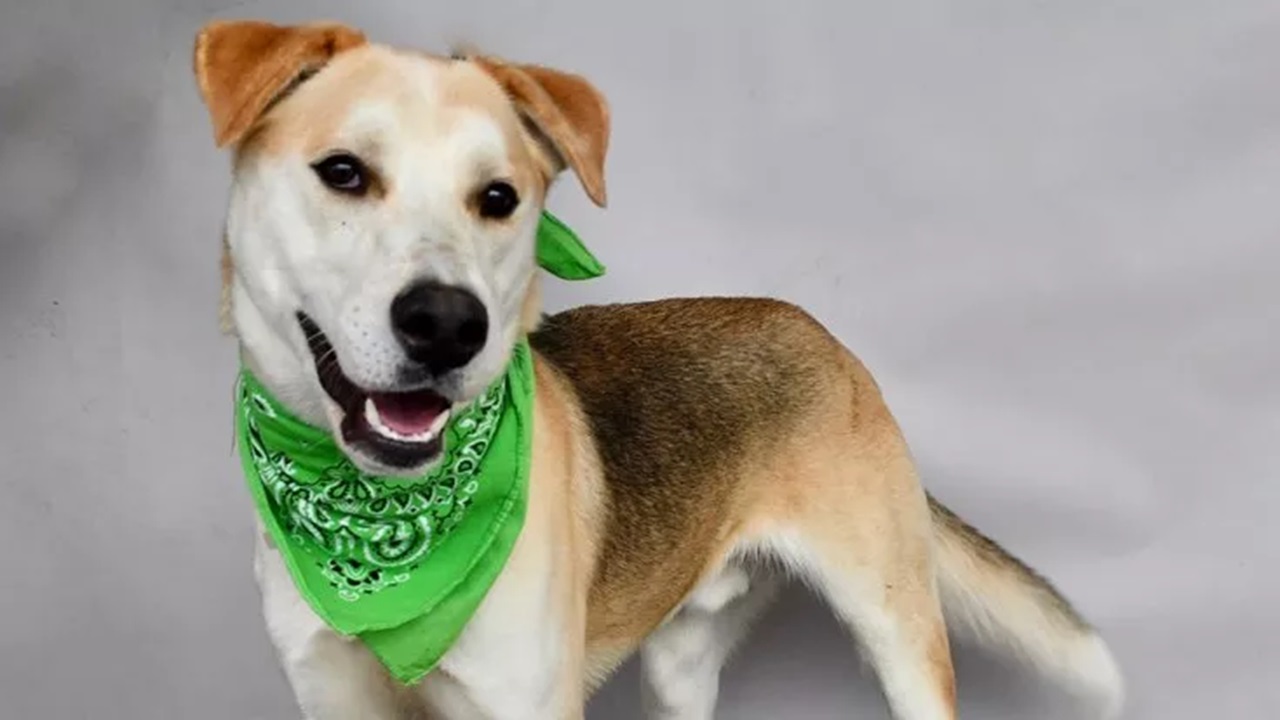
[688, 454]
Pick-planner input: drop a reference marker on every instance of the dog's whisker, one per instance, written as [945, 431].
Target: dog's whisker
[330, 356]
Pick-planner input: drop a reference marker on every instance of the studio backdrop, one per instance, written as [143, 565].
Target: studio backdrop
[1051, 229]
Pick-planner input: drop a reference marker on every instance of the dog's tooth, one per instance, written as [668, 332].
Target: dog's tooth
[437, 425]
[374, 419]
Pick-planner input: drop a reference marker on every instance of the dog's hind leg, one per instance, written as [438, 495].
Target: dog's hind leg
[860, 533]
[895, 614]
[681, 660]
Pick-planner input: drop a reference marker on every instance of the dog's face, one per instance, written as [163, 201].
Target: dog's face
[382, 219]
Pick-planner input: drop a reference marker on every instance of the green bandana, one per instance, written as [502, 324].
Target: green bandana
[562, 254]
[402, 563]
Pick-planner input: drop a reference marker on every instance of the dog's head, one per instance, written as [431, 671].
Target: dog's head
[381, 230]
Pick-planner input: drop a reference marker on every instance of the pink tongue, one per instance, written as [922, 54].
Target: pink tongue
[409, 413]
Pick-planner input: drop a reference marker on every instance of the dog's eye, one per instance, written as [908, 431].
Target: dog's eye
[344, 173]
[498, 200]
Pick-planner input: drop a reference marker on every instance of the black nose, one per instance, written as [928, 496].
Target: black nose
[440, 326]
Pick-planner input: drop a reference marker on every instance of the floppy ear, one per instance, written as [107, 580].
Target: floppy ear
[242, 67]
[567, 115]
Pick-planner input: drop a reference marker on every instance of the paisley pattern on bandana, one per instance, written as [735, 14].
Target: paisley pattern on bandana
[367, 533]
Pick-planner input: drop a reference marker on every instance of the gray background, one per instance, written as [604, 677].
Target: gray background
[1049, 227]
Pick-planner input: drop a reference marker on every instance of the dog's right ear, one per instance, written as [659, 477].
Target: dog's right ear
[242, 67]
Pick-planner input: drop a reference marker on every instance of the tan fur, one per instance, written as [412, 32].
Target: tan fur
[242, 67]
[671, 434]
[531, 309]
[227, 267]
[310, 123]
[568, 110]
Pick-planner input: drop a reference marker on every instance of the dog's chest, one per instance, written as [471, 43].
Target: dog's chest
[505, 665]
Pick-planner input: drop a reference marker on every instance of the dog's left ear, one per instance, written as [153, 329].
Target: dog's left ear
[243, 66]
[567, 115]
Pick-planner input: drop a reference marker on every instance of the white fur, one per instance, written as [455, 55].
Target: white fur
[332, 678]
[681, 661]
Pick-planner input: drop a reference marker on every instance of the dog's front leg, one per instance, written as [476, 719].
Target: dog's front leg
[333, 678]
[509, 686]
[521, 657]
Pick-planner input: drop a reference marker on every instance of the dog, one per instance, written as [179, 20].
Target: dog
[688, 457]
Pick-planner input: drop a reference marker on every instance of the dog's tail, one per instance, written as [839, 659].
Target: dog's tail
[995, 596]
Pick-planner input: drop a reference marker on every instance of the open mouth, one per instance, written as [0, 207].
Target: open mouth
[397, 429]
